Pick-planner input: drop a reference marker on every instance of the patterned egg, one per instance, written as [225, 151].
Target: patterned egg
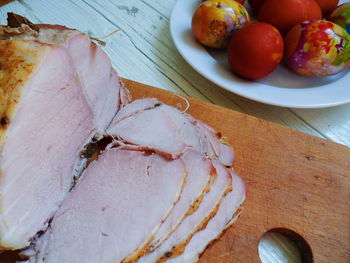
[214, 22]
[317, 48]
[341, 16]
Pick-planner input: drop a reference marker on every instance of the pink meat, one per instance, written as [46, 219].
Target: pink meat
[135, 107]
[118, 205]
[199, 179]
[211, 142]
[135, 126]
[195, 222]
[187, 132]
[47, 129]
[149, 130]
[96, 75]
[94, 70]
[227, 214]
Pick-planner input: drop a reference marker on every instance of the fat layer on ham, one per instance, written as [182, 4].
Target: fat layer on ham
[118, 205]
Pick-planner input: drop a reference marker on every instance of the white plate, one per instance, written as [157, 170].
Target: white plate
[281, 88]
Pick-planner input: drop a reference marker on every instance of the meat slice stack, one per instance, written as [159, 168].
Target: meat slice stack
[47, 116]
[162, 189]
[153, 215]
[123, 194]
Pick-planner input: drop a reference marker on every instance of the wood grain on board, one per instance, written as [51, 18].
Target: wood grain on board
[294, 181]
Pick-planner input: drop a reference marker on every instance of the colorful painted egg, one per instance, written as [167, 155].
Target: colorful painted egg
[341, 16]
[214, 22]
[317, 48]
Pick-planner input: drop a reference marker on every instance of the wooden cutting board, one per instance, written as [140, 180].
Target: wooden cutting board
[294, 181]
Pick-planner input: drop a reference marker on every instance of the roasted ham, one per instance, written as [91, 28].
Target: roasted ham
[45, 122]
[161, 190]
[119, 204]
[58, 91]
[93, 68]
[227, 214]
[175, 244]
[148, 124]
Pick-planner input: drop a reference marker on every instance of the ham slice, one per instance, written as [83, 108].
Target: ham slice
[175, 244]
[136, 106]
[227, 214]
[200, 176]
[149, 130]
[58, 90]
[118, 205]
[149, 124]
[45, 122]
[95, 74]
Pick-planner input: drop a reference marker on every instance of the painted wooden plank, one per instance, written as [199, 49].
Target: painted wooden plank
[333, 123]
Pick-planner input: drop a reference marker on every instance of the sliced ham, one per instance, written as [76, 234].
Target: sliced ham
[45, 122]
[227, 214]
[118, 205]
[215, 148]
[175, 244]
[200, 175]
[186, 131]
[142, 124]
[159, 191]
[149, 130]
[135, 107]
[58, 90]
[94, 70]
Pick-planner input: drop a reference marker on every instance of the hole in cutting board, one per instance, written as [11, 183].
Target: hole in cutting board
[282, 245]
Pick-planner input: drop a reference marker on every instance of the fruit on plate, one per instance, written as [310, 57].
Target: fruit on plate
[214, 22]
[341, 16]
[255, 5]
[255, 50]
[317, 48]
[284, 14]
[327, 5]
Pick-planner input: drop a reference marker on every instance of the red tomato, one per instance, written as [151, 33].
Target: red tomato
[255, 50]
[284, 14]
[327, 6]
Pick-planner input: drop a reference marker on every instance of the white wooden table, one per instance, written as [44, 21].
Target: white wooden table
[143, 51]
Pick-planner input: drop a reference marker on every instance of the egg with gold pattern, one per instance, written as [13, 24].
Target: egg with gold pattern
[214, 22]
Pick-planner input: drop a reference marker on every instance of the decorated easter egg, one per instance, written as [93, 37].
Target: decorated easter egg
[214, 22]
[317, 48]
[341, 16]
